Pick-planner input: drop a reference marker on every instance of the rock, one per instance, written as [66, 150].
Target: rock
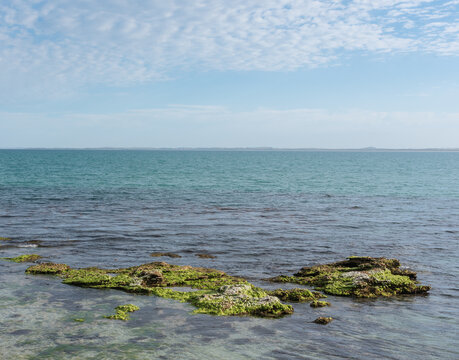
[359, 276]
[317, 304]
[217, 294]
[23, 258]
[206, 256]
[322, 320]
[168, 254]
[47, 268]
[296, 295]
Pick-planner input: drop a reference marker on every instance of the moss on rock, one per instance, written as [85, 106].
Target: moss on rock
[322, 320]
[23, 258]
[360, 277]
[217, 294]
[47, 268]
[296, 295]
[317, 304]
[122, 312]
[240, 299]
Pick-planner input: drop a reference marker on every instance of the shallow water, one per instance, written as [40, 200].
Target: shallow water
[261, 214]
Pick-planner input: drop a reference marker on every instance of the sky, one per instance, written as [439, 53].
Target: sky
[220, 73]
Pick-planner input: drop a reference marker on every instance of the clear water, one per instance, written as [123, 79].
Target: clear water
[262, 214]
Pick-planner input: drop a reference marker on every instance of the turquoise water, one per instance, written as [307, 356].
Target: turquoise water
[261, 213]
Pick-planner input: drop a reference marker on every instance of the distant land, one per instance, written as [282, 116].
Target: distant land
[365, 149]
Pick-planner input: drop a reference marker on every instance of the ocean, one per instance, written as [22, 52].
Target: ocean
[261, 214]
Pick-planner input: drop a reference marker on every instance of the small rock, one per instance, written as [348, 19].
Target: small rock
[168, 254]
[206, 256]
[322, 320]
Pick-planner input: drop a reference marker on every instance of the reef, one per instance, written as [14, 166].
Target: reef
[363, 277]
[23, 258]
[168, 254]
[216, 292]
[122, 312]
[322, 320]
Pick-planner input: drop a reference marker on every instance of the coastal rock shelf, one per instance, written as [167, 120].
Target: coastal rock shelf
[363, 277]
[216, 292]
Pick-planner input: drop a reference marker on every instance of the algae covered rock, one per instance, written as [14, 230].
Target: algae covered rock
[23, 258]
[359, 277]
[317, 304]
[242, 299]
[168, 254]
[217, 293]
[122, 312]
[322, 320]
[206, 256]
[47, 268]
[296, 295]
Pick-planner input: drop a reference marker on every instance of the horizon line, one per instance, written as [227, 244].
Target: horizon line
[260, 148]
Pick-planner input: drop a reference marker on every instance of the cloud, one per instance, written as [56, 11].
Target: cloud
[81, 42]
[213, 126]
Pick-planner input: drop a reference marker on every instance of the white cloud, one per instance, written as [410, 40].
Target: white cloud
[213, 126]
[122, 42]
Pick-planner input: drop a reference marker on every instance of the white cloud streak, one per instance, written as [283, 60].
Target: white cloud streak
[213, 126]
[129, 42]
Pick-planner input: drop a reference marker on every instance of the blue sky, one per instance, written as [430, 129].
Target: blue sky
[334, 74]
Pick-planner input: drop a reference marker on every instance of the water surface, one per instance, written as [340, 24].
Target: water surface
[262, 214]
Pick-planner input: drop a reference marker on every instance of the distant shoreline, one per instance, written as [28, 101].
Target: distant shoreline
[367, 149]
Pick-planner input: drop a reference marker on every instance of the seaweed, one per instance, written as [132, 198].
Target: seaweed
[217, 293]
[122, 312]
[358, 276]
[23, 258]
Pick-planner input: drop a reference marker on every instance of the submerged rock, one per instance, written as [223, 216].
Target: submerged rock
[47, 268]
[122, 312]
[360, 277]
[217, 293]
[23, 258]
[168, 254]
[316, 304]
[206, 256]
[322, 320]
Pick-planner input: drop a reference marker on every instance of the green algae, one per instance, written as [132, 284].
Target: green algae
[240, 299]
[364, 277]
[317, 304]
[47, 268]
[122, 312]
[23, 258]
[296, 295]
[217, 293]
[322, 320]
[79, 320]
[4, 238]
